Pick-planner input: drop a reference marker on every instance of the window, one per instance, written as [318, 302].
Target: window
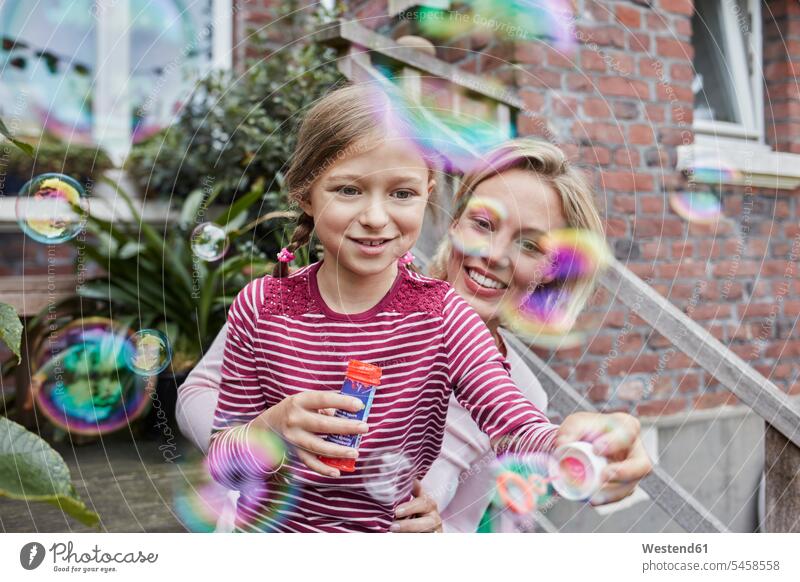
[110, 72]
[726, 36]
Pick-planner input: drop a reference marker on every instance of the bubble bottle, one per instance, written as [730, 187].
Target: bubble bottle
[360, 382]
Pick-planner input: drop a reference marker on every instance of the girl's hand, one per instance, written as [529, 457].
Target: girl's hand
[420, 515]
[301, 418]
[616, 437]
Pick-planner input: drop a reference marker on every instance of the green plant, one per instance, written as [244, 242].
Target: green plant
[236, 129]
[154, 275]
[30, 470]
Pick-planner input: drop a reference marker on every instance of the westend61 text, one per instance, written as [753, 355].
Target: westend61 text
[670, 549]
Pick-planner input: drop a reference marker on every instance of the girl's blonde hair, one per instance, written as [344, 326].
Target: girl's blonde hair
[349, 120]
[550, 164]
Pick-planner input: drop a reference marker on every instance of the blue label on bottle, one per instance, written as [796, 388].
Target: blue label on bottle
[364, 393]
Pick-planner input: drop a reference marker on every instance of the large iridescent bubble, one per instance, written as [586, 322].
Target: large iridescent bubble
[81, 382]
[546, 314]
[696, 207]
[384, 475]
[550, 21]
[52, 208]
[478, 222]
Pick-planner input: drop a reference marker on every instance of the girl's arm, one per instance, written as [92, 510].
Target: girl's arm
[482, 384]
[197, 396]
[231, 460]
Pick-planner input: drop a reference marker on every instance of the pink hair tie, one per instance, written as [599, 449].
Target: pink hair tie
[406, 259]
[285, 256]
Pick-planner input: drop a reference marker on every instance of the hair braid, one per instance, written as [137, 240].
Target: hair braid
[300, 237]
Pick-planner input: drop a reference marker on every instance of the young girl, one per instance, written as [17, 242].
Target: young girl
[363, 188]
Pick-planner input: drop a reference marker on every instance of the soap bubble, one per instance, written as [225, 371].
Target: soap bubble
[574, 254]
[209, 242]
[473, 235]
[696, 207]
[148, 352]
[386, 475]
[264, 503]
[52, 208]
[548, 20]
[81, 383]
[546, 314]
[522, 482]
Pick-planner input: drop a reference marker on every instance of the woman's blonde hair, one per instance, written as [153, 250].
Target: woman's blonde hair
[347, 121]
[550, 164]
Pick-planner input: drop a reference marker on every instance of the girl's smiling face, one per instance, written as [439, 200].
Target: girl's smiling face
[369, 207]
[513, 262]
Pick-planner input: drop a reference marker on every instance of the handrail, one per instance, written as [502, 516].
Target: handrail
[341, 33]
[679, 504]
[761, 395]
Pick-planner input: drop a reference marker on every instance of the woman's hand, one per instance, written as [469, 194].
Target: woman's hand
[420, 515]
[617, 438]
[301, 418]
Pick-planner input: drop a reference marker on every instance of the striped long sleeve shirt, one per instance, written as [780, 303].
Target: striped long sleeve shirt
[283, 339]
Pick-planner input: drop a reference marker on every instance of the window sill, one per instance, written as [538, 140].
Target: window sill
[754, 164]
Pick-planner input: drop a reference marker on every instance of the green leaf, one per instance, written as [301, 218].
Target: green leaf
[191, 206]
[241, 205]
[31, 470]
[10, 328]
[27, 148]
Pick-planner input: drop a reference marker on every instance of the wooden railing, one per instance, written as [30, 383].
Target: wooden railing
[357, 45]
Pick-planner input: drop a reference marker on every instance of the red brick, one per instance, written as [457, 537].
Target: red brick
[632, 364]
[597, 392]
[641, 134]
[756, 310]
[669, 47]
[587, 371]
[565, 106]
[592, 60]
[628, 16]
[627, 159]
[783, 350]
[685, 7]
[681, 72]
[655, 113]
[596, 107]
[688, 383]
[649, 67]
[532, 53]
[602, 132]
[616, 227]
[626, 181]
[621, 87]
[657, 227]
[640, 42]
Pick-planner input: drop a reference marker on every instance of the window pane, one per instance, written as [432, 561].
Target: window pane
[49, 52]
[715, 96]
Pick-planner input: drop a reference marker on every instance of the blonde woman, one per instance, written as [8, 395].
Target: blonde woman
[541, 191]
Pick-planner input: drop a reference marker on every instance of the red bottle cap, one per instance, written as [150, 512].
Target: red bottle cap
[368, 374]
[344, 465]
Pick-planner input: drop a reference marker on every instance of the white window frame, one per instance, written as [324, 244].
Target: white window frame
[111, 102]
[750, 104]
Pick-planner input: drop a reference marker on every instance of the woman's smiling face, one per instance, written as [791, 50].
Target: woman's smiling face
[512, 262]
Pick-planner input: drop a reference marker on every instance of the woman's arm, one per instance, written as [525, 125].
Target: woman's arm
[197, 396]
